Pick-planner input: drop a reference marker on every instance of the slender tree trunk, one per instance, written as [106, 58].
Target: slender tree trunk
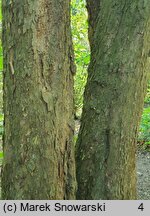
[38, 100]
[119, 33]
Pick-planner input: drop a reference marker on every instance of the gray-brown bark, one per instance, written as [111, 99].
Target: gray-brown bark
[113, 100]
[38, 100]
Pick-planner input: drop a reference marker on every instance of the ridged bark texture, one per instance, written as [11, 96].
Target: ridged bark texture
[38, 100]
[119, 34]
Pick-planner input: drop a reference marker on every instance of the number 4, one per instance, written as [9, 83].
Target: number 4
[141, 207]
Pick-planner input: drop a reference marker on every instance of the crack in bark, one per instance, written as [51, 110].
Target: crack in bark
[105, 163]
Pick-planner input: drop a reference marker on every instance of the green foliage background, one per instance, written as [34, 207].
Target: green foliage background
[81, 49]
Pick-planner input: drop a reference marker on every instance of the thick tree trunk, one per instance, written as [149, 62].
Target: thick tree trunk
[119, 36]
[38, 100]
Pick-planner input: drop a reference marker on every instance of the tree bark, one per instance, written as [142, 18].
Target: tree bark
[113, 100]
[38, 100]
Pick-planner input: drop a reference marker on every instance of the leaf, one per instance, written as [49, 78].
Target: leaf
[1, 154]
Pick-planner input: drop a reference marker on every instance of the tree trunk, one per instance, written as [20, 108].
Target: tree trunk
[38, 100]
[117, 76]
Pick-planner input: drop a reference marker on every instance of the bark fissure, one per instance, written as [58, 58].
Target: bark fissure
[38, 106]
[113, 100]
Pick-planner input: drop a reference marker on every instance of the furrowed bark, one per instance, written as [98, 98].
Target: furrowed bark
[38, 100]
[113, 100]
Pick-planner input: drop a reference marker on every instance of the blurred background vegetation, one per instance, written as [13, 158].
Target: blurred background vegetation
[81, 49]
[82, 58]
